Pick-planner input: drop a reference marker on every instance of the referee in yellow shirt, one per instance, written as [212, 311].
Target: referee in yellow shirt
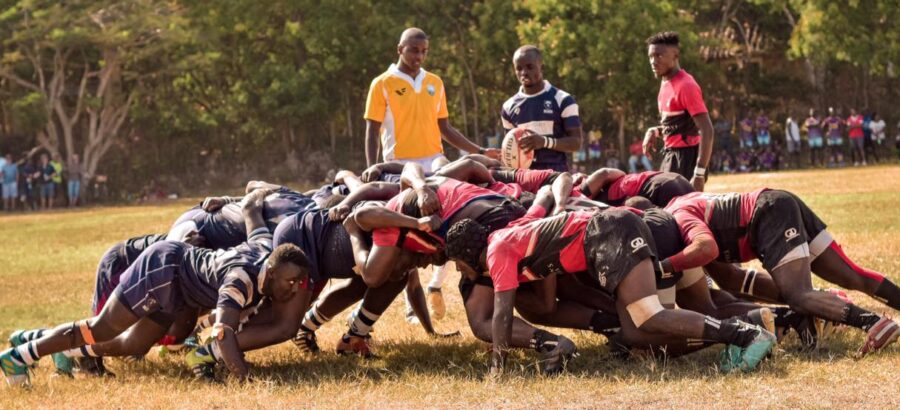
[406, 118]
[406, 111]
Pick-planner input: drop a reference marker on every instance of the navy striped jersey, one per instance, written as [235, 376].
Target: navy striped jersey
[225, 228]
[226, 277]
[547, 113]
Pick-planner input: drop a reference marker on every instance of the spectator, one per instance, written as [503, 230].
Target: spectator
[10, 182]
[813, 127]
[878, 135]
[832, 125]
[637, 155]
[74, 176]
[594, 147]
[768, 159]
[30, 180]
[46, 174]
[722, 127]
[792, 140]
[871, 148]
[763, 138]
[56, 163]
[612, 157]
[747, 131]
[857, 137]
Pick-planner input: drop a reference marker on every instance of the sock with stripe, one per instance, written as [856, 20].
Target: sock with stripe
[313, 320]
[604, 323]
[730, 331]
[26, 353]
[889, 293]
[83, 351]
[31, 335]
[361, 322]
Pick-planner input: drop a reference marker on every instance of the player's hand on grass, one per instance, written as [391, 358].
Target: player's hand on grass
[698, 183]
[427, 201]
[338, 212]
[429, 223]
[371, 174]
[531, 141]
[649, 145]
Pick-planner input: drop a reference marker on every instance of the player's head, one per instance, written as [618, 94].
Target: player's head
[528, 63]
[413, 48]
[662, 49]
[285, 269]
[639, 202]
[466, 245]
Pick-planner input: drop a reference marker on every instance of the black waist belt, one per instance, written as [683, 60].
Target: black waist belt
[723, 215]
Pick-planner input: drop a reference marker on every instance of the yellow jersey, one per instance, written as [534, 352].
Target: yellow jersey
[408, 110]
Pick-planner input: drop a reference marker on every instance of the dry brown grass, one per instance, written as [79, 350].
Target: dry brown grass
[47, 270]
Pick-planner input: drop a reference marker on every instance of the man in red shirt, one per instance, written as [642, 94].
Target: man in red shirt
[777, 228]
[857, 137]
[637, 155]
[616, 248]
[685, 126]
[614, 187]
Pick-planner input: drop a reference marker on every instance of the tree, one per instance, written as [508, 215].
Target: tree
[86, 61]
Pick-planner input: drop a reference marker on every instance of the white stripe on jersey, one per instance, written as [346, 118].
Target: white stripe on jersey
[560, 96]
[539, 127]
[570, 111]
[234, 294]
[506, 124]
[666, 114]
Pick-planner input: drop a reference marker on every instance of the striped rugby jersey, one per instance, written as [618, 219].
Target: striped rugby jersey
[547, 113]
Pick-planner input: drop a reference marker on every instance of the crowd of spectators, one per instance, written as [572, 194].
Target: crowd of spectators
[35, 180]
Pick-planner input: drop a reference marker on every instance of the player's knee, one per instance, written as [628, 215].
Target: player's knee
[643, 311]
[481, 329]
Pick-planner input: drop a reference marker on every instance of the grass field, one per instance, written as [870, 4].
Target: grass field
[47, 264]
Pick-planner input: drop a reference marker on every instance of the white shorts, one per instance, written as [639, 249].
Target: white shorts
[428, 163]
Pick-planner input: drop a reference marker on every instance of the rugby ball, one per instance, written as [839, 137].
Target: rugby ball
[511, 155]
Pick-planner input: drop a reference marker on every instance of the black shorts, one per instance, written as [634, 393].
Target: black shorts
[149, 287]
[616, 241]
[660, 189]
[668, 241]
[109, 271]
[680, 160]
[780, 223]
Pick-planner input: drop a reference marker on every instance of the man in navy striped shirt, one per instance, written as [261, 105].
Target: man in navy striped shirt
[550, 114]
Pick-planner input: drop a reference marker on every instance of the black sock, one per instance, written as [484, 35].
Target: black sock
[889, 293]
[730, 331]
[605, 323]
[543, 341]
[784, 316]
[859, 317]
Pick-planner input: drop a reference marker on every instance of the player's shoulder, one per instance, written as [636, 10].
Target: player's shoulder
[381, 78]
[511, 102]
[433, 78]
[562, 97]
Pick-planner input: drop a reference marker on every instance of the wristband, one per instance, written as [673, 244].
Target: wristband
[549, 143]
[700, 172]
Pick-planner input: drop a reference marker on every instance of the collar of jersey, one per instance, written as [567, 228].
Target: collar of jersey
[546, 88]
[415, 82]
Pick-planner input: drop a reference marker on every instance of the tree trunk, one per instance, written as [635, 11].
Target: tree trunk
[620, 118]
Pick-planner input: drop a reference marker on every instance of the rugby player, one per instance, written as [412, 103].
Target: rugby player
[220, 221]
[550, 115]
[614, 187]
[685, 127]
[171, 277]
[616, 248]
[790, 240]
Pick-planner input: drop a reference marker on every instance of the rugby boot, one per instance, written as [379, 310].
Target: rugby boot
[201, 362]
[556, 359]
[881, 334]
[306, 342]
[762, 317]
[93, 366]
[359, 345]
[14, 369]
[436, 305]
[809, 328]
[64, 365]
[747, 357]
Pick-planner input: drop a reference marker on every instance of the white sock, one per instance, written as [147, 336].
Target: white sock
[28, 352]
[313, 319]
[438, 276]
[86, 350]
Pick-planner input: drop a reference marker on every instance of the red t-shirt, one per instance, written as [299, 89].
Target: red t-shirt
[678, 95]
[637, 148]
[693, 212]
[532, 180]
[628, 185]
[512, 190]
[453, 196]
[534, 235]
[855, 123]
